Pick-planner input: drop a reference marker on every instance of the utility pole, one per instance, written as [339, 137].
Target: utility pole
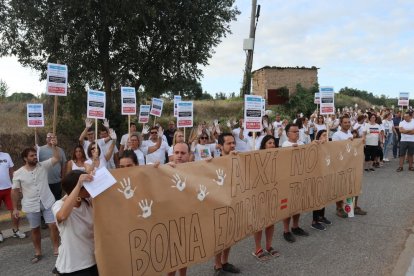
[248, 46]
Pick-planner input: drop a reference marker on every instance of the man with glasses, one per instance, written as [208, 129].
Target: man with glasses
[89, 132]
[54, 175]
[157, 148]
[292, 132]
[124, 139]
[6, 174]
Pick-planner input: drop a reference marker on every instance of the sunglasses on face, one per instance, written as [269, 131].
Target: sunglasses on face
[204, 138]
[153, 132]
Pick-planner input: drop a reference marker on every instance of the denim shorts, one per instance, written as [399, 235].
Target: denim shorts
[34, 218]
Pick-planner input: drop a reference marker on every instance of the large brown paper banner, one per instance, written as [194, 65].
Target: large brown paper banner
[155, 220]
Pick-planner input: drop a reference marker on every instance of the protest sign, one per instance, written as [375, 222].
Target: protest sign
[57, 79]
[187, 214]
[317, 99]
[156, 107]
[403, 99]
[35, 117]
[253, 112]
[177, 98]
[327, 104]
[96, 104]
[144, 112]
[128, 101]
[185, 114]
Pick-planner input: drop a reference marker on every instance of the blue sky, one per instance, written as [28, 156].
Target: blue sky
[366, 45]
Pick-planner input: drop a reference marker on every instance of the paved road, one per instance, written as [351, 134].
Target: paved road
[365, 245]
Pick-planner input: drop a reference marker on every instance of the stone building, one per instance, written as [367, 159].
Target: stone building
[271, 82]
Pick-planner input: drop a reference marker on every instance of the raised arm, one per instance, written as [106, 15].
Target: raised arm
[56, 153]
[88, 124]
[70, 201]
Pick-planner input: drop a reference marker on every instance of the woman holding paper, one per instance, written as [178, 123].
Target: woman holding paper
[74, 219]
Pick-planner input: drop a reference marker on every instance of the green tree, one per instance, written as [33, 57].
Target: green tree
[21, 97]
[106, 43]
[301, 101]
[220, 96]
[4, 88]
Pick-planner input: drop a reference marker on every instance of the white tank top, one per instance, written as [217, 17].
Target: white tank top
[76, 167]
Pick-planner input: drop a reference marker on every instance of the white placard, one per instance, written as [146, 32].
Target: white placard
[102, 180]
[144, 112]
[404, 98]
[253, 113]
[156, 107]
[35, 116]
[128, 101]
[317, 98]
[96, 104]
[185, 114]
[57, 79]
[327, 100]
[177, 98]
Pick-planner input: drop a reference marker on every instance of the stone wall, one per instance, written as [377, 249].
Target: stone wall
[278, 77]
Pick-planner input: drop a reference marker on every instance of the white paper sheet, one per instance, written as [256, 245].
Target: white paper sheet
[102, 180]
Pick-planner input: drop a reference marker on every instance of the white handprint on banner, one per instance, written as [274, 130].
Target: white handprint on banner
[126, 188]
[202, 193]
[355, 152]
[179, 184]
[348, 148]
[341, 157]
[145, 208]
[220, 177]
[328, 160]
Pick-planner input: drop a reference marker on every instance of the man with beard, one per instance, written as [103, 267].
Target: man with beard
[32, 181]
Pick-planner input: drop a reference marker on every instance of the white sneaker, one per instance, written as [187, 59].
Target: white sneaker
[1, 237]
[17, 234]
[386, 160]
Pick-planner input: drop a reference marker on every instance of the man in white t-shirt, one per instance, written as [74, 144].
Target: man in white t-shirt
[240, 136]
[89, 132]
[6, 174]
[292, 132]
[373, 136]
[342, 135]
[157, 148]
[124, 139]
[406, 128]
[112, 163]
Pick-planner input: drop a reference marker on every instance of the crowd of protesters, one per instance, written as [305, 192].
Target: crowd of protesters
[46, 174]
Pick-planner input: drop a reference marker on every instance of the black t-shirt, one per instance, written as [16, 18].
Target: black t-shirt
[169, 134]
